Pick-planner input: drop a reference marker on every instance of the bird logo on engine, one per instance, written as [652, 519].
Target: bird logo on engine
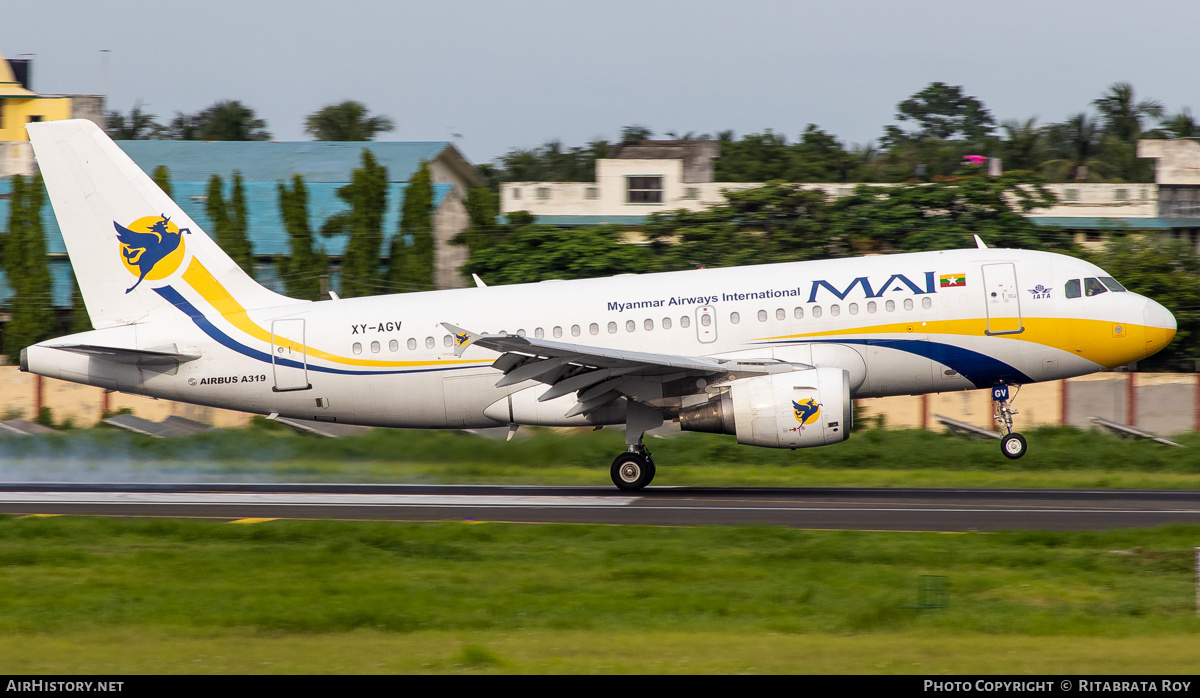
[807, 411]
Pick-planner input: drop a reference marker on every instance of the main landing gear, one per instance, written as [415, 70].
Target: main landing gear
[1012, 445]
[634, 469]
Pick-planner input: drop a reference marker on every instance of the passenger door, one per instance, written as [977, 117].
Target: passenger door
[289, 356]
[1002, 300]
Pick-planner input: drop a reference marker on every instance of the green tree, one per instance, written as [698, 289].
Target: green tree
[946, 213]
[230, 224]
[28, 270]
[348, 121]
[366, 195]
[1169, 272]
[941, 112]
[778, 221]
[80, 321]
[482, 231]
[636, 132]
[162, 177]
[137, 126]
[538, 252]
[411, 260]
[304, 268]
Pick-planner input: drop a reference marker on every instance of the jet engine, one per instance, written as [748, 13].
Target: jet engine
[781, 410]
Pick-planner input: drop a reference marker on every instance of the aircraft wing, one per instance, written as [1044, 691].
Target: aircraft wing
[601, 375]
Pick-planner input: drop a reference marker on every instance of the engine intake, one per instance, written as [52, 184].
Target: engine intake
[783, 410]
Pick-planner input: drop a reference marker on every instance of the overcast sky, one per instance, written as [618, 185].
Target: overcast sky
[517, 73]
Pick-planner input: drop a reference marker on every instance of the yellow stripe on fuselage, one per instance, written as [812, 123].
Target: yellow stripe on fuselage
[211, 290]
[1094, 340]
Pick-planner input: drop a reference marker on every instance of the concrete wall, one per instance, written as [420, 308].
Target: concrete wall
[1163, 403]
[1178, 161]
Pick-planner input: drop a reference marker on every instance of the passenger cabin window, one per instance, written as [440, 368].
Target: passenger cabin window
[816, 311]
[393, 345]
[685, 322]
[429, 342]
[557, 332]
[612, 328]
[538, 333]
[706, 319]
[575, 331]
[374, 347]
[927, 302]
[762, 316]
[735, 318]
[890, 306]
[1093, 287]
[630, 325]
[412, 343]
[780, 314]
[908, 304]
[1071, 290]
[666, 323]
[799, 313]
[648, 324]
[357, 348]
[593, 328]
[447, 340]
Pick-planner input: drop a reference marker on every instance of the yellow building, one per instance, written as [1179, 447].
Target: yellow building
[20, 105]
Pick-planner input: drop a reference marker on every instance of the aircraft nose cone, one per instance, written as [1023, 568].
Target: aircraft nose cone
[1160, 326]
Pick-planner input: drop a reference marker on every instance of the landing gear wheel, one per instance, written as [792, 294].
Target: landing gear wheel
[632, 471]
[1013, 446]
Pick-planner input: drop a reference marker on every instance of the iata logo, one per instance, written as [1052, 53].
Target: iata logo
[806, 412]
[1040, 292]
[151, 248]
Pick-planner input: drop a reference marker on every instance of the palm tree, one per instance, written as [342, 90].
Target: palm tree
[1123, 116]
[347, 121]
[1076, 143]
[1022, 143]
[138, 126]
[1181, 125]
[228, 120]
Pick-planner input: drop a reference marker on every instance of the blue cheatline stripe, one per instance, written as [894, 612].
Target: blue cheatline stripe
[172, 296]
[982, 370]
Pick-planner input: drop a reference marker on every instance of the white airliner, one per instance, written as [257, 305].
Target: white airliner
[772, 354]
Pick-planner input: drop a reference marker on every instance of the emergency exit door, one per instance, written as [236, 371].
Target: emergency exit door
[289, 356]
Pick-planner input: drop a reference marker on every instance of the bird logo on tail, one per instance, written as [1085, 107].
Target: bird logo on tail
[151, 247]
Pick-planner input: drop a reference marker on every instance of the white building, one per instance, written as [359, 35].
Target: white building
[641, 178]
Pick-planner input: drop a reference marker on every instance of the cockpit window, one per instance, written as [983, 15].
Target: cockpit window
[1072, 289]
[1093, 287]
[1112, 284]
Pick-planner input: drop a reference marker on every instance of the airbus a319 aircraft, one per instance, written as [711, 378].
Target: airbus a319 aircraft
[770, 354]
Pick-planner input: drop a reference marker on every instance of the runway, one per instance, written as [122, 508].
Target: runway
[815, 508]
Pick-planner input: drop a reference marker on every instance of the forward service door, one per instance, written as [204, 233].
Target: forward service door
[1002, 300]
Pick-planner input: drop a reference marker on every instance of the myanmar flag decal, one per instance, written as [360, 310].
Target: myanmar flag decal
[953, 280]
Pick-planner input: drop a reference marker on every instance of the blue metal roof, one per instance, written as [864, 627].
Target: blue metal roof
[266, 231]
[264, 161]
[590, 220]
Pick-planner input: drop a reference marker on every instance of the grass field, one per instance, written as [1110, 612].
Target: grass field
[1058, 457]
[109, 595]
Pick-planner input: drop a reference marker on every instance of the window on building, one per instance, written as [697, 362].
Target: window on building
[691, 193]
[543, 193]
[644, 190]
[1120, 194]
[591, 193]
[1071, 194]
[516, 192]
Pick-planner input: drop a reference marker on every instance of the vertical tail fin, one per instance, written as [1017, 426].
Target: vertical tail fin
[128, 240]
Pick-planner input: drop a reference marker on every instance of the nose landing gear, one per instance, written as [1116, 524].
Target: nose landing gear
[1013, 444]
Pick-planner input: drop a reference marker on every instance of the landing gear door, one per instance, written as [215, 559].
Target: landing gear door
[1002, 300]
[706, 324]
[289, 357]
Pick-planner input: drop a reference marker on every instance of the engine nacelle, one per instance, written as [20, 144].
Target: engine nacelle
[781, 410]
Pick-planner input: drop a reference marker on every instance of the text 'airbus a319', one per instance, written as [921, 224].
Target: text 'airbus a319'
[771, 354]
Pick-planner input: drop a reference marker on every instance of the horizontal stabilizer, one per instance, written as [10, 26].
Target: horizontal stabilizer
[138, 357]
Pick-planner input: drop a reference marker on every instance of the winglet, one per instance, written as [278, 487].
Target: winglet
[462, 338]
[478, 281]
[979, 243]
